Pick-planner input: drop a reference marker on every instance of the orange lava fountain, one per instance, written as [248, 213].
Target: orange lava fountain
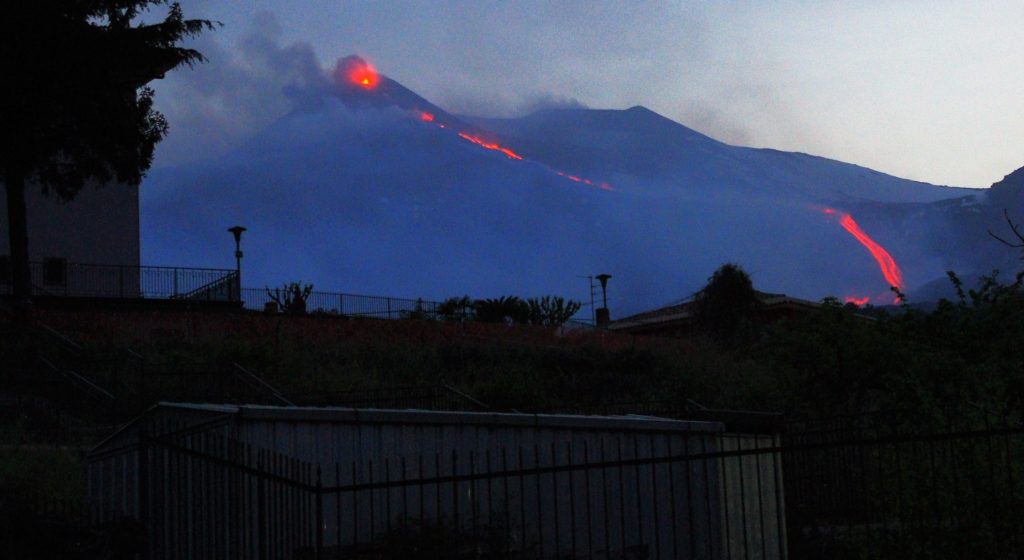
[363, 75]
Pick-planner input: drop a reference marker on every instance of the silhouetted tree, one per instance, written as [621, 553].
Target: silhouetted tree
[724, 306]
[552, 311]
[291, 298]
[506, 309]
[75, 107]
[456, 309]
[1014, 229]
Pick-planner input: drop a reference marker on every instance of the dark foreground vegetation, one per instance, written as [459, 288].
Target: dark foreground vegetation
[941, 389]
[840, 360]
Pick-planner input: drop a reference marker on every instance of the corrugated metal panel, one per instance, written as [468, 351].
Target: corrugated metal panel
[704, 506]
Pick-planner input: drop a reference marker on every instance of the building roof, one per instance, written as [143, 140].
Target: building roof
[680, 314]
[195, 416]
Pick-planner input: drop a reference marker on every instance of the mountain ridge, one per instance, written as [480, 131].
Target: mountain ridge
[363, 193]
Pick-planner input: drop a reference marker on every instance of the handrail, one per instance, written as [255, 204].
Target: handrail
[80, 381]
[253, 378]
[465, 396]
[62, 338]
[209, 286]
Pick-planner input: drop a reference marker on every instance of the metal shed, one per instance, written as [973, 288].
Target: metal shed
[222, 481]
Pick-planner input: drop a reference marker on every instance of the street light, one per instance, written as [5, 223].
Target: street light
[603, 316]
[237, 232]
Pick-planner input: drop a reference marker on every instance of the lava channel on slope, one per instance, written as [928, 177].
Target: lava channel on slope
[509, 153]
[886, 264]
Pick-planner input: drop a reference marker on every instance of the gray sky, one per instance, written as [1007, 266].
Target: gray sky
[927, 90]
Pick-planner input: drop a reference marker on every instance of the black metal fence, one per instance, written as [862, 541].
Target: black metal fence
[206, 496]
[349, 305]
[867, 488]
[64, 279]
[901, 485]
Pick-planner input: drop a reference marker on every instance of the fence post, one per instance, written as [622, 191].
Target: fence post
[320, 514]
[143, 483]
[341, 304]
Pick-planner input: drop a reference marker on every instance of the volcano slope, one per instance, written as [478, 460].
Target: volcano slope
[373, 189]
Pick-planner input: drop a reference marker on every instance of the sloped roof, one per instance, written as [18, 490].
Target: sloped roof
[681, 313]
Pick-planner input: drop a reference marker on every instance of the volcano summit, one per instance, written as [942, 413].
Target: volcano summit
[374, 189]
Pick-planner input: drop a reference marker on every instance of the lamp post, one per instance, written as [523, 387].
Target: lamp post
[237, 232]
[603, 316]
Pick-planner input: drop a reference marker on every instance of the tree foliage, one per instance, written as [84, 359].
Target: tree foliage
[724, 306]
[75, 107]
[291, 298]
[505, 309]
[551, 311]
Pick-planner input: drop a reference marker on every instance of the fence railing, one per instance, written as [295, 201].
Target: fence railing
[872, 490]
[206, 496]
[906, 485]
[349, 305]
[65, 279]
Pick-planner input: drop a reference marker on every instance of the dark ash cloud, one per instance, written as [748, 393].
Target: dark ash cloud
[238, 91]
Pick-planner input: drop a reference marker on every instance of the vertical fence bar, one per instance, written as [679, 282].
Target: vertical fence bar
[371, 499]
[654, 499]
[522, 501]
[473, 505]
[455, 493]
[540, 503]
[508, 504]
[1011, 491]
[337, 512]
[622, 496]
[589, 491]
[319, 505]
[143, 483]
[780, 498]
[387, 495]
[405, 494]
[604, 498]
[355, 508]
[554, 496]
[572, 498]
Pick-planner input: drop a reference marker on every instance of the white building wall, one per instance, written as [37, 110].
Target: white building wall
[99, 226]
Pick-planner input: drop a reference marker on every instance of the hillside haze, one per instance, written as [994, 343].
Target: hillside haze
[370, 188]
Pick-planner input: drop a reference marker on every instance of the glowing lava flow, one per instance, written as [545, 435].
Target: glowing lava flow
[429, 117]
[886, 264]
[489, 145]
[859, 302]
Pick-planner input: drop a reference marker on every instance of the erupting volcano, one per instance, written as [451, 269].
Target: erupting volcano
[886, 263]
[357, 71]
[386, 192]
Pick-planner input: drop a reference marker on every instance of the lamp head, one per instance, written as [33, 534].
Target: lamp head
[237, 232]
